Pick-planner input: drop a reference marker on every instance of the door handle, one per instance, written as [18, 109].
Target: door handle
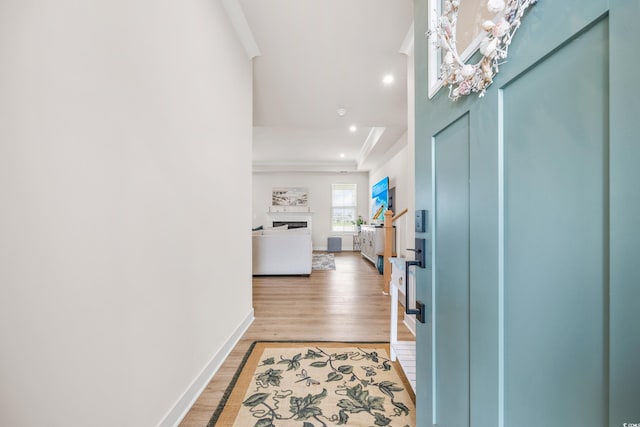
[419, 311]
[420, 251]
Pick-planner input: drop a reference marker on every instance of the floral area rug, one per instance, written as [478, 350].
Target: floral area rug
[323, 262]
[317, 384]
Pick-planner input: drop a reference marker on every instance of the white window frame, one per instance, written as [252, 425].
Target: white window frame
[352, 227]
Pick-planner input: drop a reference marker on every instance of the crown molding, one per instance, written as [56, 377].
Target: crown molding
[239, 23]
[372, 139]
[304, 167]
[407, 44]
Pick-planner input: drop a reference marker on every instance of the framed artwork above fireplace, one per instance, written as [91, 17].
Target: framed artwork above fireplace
[290, 196]
[289, 199]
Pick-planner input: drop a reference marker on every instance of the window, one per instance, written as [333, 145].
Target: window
[344, 207]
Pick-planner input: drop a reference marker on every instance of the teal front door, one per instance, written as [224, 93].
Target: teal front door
[533, 290]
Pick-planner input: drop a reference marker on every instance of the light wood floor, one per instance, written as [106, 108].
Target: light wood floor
[345, 304]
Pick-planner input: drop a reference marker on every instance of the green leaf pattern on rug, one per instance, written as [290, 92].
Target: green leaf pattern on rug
[381, 420]
[312, 354]
[265, 422]
[307, 407]
[334, 376]
[387, 387]
[269, 361]
[270, 377]
[354, 390]
[256, 399]
[400, 408]
[294, 363]
[360, 400]
[346, 369]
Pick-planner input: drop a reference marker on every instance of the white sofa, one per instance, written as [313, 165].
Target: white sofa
[279, 251]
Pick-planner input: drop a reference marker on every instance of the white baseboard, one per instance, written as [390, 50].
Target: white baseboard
[344, 249]
[189, 397]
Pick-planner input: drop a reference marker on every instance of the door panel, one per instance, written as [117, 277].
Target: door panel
[555, 283]
[451, 275]
[624, 215]
[545, 331]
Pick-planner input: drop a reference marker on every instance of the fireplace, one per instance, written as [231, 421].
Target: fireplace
[290, 224]
[290, 219]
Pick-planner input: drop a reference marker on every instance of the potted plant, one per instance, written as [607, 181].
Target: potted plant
[359, 222]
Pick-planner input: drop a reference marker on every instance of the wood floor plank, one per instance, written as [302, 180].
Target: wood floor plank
[345, 304]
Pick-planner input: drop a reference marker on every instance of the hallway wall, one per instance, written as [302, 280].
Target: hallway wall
[125, 138]
[400, 168]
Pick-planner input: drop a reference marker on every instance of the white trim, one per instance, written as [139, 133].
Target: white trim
[372, 139]
[188, 398]
[354, 190]
[240, 24]
[305, 166]
[433, 65]
[407, 44]
[410, 323]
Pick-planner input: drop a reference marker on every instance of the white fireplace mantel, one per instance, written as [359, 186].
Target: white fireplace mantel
[292, 214]
[279, 209]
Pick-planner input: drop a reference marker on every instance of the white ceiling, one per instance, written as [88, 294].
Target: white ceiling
[316, 56]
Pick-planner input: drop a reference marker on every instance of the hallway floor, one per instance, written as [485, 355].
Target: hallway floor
[345, 304]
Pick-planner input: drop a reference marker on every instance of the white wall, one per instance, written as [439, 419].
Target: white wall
[319, 186]
[125, 151]
[400, 168]
[397, 169]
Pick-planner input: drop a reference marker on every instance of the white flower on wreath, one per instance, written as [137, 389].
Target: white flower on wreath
[495, 6]
[488, 47]
[488, 25]
[448, 58]
[468, 71]
[500, 28]
[462, 78]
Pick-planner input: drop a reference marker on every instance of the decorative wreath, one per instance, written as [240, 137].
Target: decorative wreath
[462, 78]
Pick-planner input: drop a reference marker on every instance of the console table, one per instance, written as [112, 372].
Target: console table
[372, 242]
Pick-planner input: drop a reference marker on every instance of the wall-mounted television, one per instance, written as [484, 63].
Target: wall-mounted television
[379, 200]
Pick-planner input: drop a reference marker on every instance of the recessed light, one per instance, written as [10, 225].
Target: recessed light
[353, 128]
[388, 79]
[342, 155]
